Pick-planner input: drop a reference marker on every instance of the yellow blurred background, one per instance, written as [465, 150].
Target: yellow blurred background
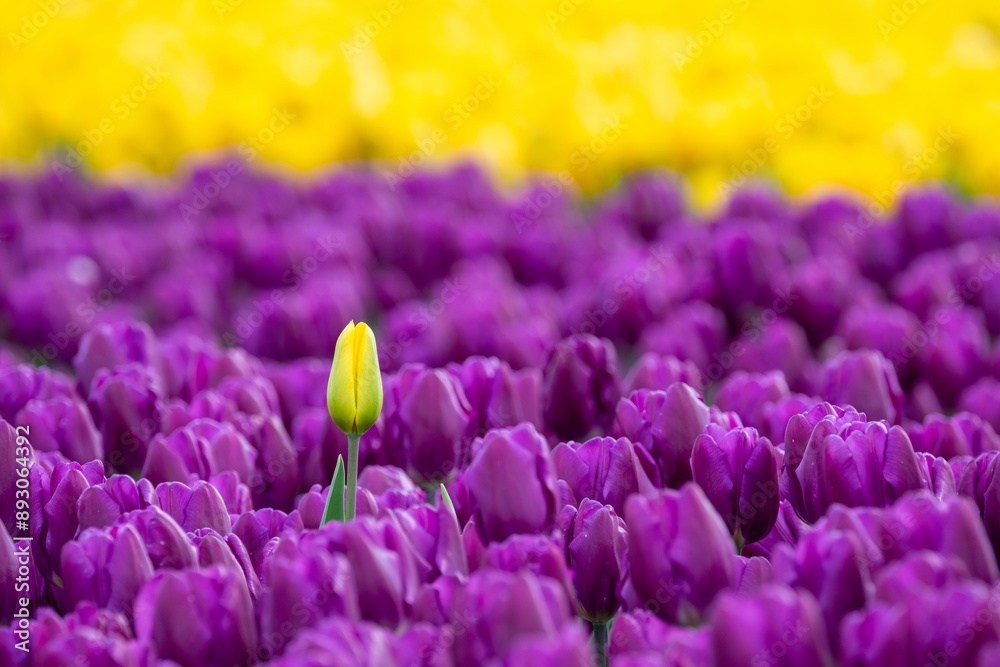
[865, 94]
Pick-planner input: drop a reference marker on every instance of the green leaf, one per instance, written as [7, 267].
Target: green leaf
[335, 501]
[447, 501]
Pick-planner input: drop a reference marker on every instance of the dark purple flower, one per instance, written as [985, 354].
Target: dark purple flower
[983, 399]
[128, 412]
[642, 638]
[580, 386]
[62, 425]
[605, 470]
[962, 434]
[658, 372]
[777, 627]
[738, 472]
[427, 423]
[597, 544]
[746, 394]
[499, 397]
[680, 554]
[109, 346]
[511, 484]
[954, 352]
[197, 617]
[107, 567]
[666, 423]
[864, 380]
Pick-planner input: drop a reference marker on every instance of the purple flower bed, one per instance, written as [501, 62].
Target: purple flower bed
[767, 437]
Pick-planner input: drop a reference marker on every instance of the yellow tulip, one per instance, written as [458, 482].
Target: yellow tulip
[354, 393]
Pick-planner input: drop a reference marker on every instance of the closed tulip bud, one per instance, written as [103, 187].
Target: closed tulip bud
[197, 617]
[107, 567]
[657, 372]
[739, 473]
[580, 386]
[354, 393]
[62, 425]
[746, 394]
[597, 546]
[866, 381]
[666, 423]
[680, 554]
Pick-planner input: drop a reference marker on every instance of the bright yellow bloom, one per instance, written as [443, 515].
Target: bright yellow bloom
[354, 394]
[868, 94]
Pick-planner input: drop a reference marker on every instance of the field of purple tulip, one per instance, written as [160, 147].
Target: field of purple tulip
[614, 430]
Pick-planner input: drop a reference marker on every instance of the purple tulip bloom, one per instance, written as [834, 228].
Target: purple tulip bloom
[866, 381]
[580, 387]
[597, 546]
[511, 483]
[680, 554]
[738, 472]
[605, 470]
[666, 423]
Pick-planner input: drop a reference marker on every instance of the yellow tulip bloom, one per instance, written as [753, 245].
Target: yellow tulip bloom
[354, 393]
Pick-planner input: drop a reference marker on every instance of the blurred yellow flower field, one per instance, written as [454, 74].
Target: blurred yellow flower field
[867, 94]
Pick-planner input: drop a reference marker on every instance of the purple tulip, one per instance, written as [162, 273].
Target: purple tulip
[427, 423]
[496, 610]
[775, 627]
[100, 505]
[511, 484]
[746, 394]
[194, 507]
[299, 385]
[983, 399]
[866, 381]
[597, 545]
[695, 332]
[499, 397]
[855, 464]
[680, 554]
[781, 346]
[258, 530]
[340, 641]
[666, 423]
[788, 529]
[954, 353]
[938, 475]
[962, 434]
[229, 552]
[277, 476]
[885, 328]
[641, 638]
[62, 425]
[658, 372]
[128, 413]
[605, 470]
[299, 592]
[109, 346]
[107, 567]
[580, 386]
[197, 617]
[738, 471]
[19, 384]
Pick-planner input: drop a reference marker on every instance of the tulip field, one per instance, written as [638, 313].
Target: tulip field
[611, 429]
[569, 333]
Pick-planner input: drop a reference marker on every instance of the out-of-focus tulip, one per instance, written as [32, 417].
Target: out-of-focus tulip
[954, 353]
[341, 641]
[866, 381]
[580, 386]
[605, 470]
[499, 397]
[962, 434]
[746, 394]
[108, 346]
[680, 554]
[107, 567]
[62, 425]
[100, 505]
[658, 372]
[427, 424]
[983, 399]
[776, 627]
[788, 529]
[738, 472]
[781, 346]
[194, 507]
[511, 484]
[197, 617]
[641, 638]
[596, 545]
[277, 476]
[354, 394]
[497, 609]
[938, 475]
[666, 423]
[127, 411]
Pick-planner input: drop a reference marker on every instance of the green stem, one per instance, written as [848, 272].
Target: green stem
[352, 475]
[601, 643]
